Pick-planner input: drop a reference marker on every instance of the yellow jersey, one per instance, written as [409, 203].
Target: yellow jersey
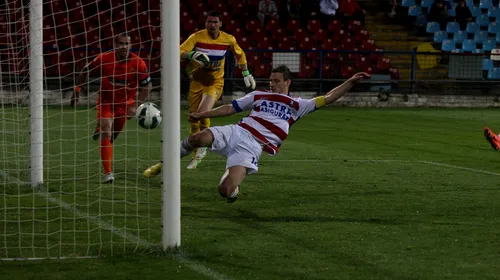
[216, 50]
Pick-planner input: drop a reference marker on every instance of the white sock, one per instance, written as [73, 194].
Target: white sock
[235, 192]
[186, 149]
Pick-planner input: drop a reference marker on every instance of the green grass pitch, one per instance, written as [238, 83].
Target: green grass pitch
[354, 194]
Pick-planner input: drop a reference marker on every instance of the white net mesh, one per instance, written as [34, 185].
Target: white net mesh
[75, 214]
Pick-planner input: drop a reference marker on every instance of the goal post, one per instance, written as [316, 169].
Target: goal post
[54, 202]
[36, 92]
[171, 90]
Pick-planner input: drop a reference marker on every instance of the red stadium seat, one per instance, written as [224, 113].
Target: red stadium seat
[346, 71]
[313, 25]
[354, 26]
[272, 26]
[245, 43]
[293, 25]
[252, 25]
[306, 44]
[394, 73]
[383, 65]
[287, 43]
[340, 36]
[262, 71]
[368, 45]
[265, 43]
[334, 26]
[348, 44]
[257, 34]
[306, 71]
[321, 35]
[300, 34]
[376, 55]
[362, 36]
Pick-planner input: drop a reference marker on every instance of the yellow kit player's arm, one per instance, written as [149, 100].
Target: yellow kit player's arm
[241, 59]
[187, 51]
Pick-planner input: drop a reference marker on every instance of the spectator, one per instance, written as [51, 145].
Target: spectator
[350, 10]
[328, 9]
[394, 4]
[287, 10]
[439, 13]
[463, 14]
[267, 9]
[306, 7]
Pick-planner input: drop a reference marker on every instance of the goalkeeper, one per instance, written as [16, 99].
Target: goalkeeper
[205, 51]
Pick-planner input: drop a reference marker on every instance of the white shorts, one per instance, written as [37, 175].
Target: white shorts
[238, 145]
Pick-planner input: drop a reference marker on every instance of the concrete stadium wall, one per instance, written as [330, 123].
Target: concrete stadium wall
[353, 99]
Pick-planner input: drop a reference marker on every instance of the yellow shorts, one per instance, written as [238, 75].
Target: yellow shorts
[197, 90]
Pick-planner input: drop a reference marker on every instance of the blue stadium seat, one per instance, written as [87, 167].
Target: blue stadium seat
[493, 12]
[487, 64]
[472, 27]
[478, 51]
[497, 38]
[452, 27]
[469, 3]
[448, 45]
[452, 13]
[432, 27]
[414, 11]
[426, 3]
[469, 45]
[407, 3]
[483, 20]
[489, 44]
[493, 28]
[494, 73]
[459, 36]
[440, 36]
[475, 11]
[480, 36]
[485, 4]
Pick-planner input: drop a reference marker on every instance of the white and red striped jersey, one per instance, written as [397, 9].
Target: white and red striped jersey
[272, 115]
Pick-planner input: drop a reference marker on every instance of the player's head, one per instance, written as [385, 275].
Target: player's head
[213, 23]
[461, 3]
[280, 79]
[122, 45]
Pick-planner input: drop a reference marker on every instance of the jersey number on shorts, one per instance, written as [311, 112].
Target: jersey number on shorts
[254, 161]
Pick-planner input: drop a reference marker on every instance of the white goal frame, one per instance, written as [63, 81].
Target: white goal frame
[170, 93]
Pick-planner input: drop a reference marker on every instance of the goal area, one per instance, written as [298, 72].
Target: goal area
[54, 202]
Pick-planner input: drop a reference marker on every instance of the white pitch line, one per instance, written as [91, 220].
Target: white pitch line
[458, 167]
[199, 268]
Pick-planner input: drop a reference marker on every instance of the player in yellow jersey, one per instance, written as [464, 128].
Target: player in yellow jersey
[205, 51]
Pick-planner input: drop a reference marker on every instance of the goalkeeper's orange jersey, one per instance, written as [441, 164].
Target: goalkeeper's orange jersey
[216, 50]
[119, 80]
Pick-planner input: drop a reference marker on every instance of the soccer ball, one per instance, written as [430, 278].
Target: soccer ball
[148, 115]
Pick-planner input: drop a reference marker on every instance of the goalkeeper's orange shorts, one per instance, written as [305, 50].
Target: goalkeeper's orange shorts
[113, 110]
[197, 90]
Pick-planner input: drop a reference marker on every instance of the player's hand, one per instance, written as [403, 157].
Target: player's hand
[193, 117]
[131, 109]
[199, 57]
[249, 80]
[75, 96]
[358, 77]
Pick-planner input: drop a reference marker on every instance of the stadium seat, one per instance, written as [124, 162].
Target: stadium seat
[313, 25]
[321, 35]
[452, 27]
[300, 34]
[497, 38]
[362, 36]
[493, 12]
[475, 11]
[394, 73]
[426, 3]
[480, 36]
[265, 44]
[347, 71]
[452, 12]
[272, 25]
[368, 45]
[493, 28]
[432, 27]
[478, 51]
[485, 4]
[354, 26]
[287, 43]
[469, 3]
[407, 3]
[305, 71]
[487, 64]
[261, 71]
[489, 44]
[383, 64]
[483, 20]
[414, 11]
[448, 45]
[440, 36]
[459, 36]
[293, 25]
[306, 44]
[334, 25]
[469, 45]
[494, 74]
[472, 27]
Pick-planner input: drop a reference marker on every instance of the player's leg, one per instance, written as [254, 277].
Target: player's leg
[121, 115]
[210, 95]
[492, 138]
[195, 97]
[203, 138]
[106, 147]
[229, 185]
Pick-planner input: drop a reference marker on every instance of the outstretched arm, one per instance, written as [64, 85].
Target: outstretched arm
[339, 91]
[221, 111]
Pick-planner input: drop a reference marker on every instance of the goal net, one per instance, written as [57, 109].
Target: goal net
[74, 213]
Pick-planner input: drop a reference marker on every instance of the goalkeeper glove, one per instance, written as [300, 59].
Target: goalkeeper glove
[74, 97]
[249, 80]
[199, 57]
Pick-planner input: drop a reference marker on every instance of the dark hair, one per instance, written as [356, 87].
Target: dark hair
[120, 35]
[214, 13]
[287, 75]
